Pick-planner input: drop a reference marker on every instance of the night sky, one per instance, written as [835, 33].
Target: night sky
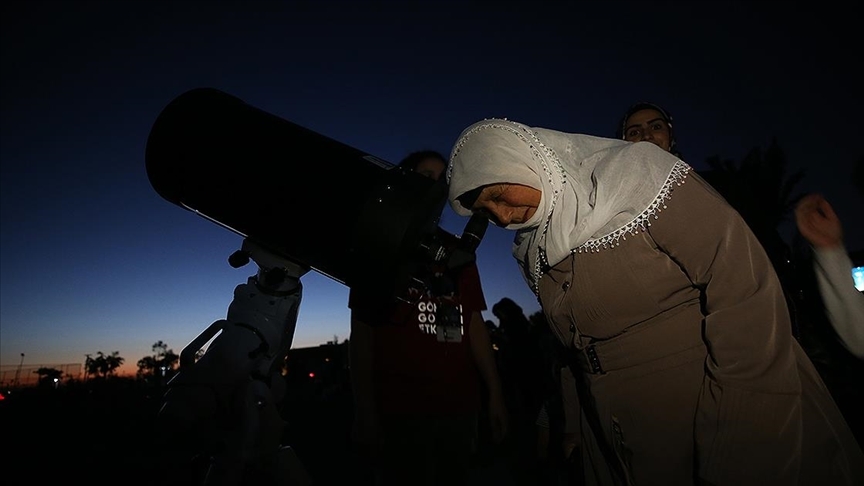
[93, 259]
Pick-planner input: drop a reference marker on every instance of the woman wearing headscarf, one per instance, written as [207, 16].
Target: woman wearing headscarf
[686, 367]
[648, 122]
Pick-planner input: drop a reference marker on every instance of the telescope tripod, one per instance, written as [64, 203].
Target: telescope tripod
[226, 400]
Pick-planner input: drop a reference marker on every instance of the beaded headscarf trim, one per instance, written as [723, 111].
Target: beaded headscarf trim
[640, 223]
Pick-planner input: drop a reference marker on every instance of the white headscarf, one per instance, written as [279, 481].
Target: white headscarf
[594, 190]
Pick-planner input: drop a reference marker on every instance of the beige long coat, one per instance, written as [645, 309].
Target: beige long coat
[687, 366]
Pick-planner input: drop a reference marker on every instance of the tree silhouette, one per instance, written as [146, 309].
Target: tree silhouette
[113, 362]
[758, 188]
[161, 365]
[103, 365]
[88, 359]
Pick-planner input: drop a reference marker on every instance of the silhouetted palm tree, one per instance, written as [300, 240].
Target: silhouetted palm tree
[758, 188]
[113, 362]
[103, 365]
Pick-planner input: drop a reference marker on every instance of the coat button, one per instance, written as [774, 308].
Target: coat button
[565, 286]
[572, 327]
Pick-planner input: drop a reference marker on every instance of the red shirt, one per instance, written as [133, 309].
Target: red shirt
[422, 364]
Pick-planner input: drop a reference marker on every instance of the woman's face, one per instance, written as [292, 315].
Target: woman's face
[506, 204]
[649, 126]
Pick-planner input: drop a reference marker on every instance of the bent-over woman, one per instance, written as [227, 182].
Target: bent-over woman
[675, 320]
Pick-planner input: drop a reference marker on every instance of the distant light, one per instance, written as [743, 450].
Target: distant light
[858, 277]
[56, 380]
[311, 375]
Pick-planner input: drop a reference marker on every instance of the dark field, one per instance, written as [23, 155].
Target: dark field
[107, 431]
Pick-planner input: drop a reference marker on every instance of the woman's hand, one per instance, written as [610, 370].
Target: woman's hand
[818, 223]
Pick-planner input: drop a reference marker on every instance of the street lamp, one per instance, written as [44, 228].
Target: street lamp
[18, 371]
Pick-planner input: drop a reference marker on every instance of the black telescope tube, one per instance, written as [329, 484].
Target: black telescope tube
[318, 202]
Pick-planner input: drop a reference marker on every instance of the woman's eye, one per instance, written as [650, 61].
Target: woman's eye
[657, 126]
[489, 195]
[483, 212]
[633, 133]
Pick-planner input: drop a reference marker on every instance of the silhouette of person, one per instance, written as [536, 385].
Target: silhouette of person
[522, 374]
[418, 368]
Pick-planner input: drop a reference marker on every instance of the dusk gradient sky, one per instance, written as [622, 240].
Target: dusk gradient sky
[93, 259]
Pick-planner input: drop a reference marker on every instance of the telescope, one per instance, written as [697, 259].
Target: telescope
[320, 203]
[301, 201]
